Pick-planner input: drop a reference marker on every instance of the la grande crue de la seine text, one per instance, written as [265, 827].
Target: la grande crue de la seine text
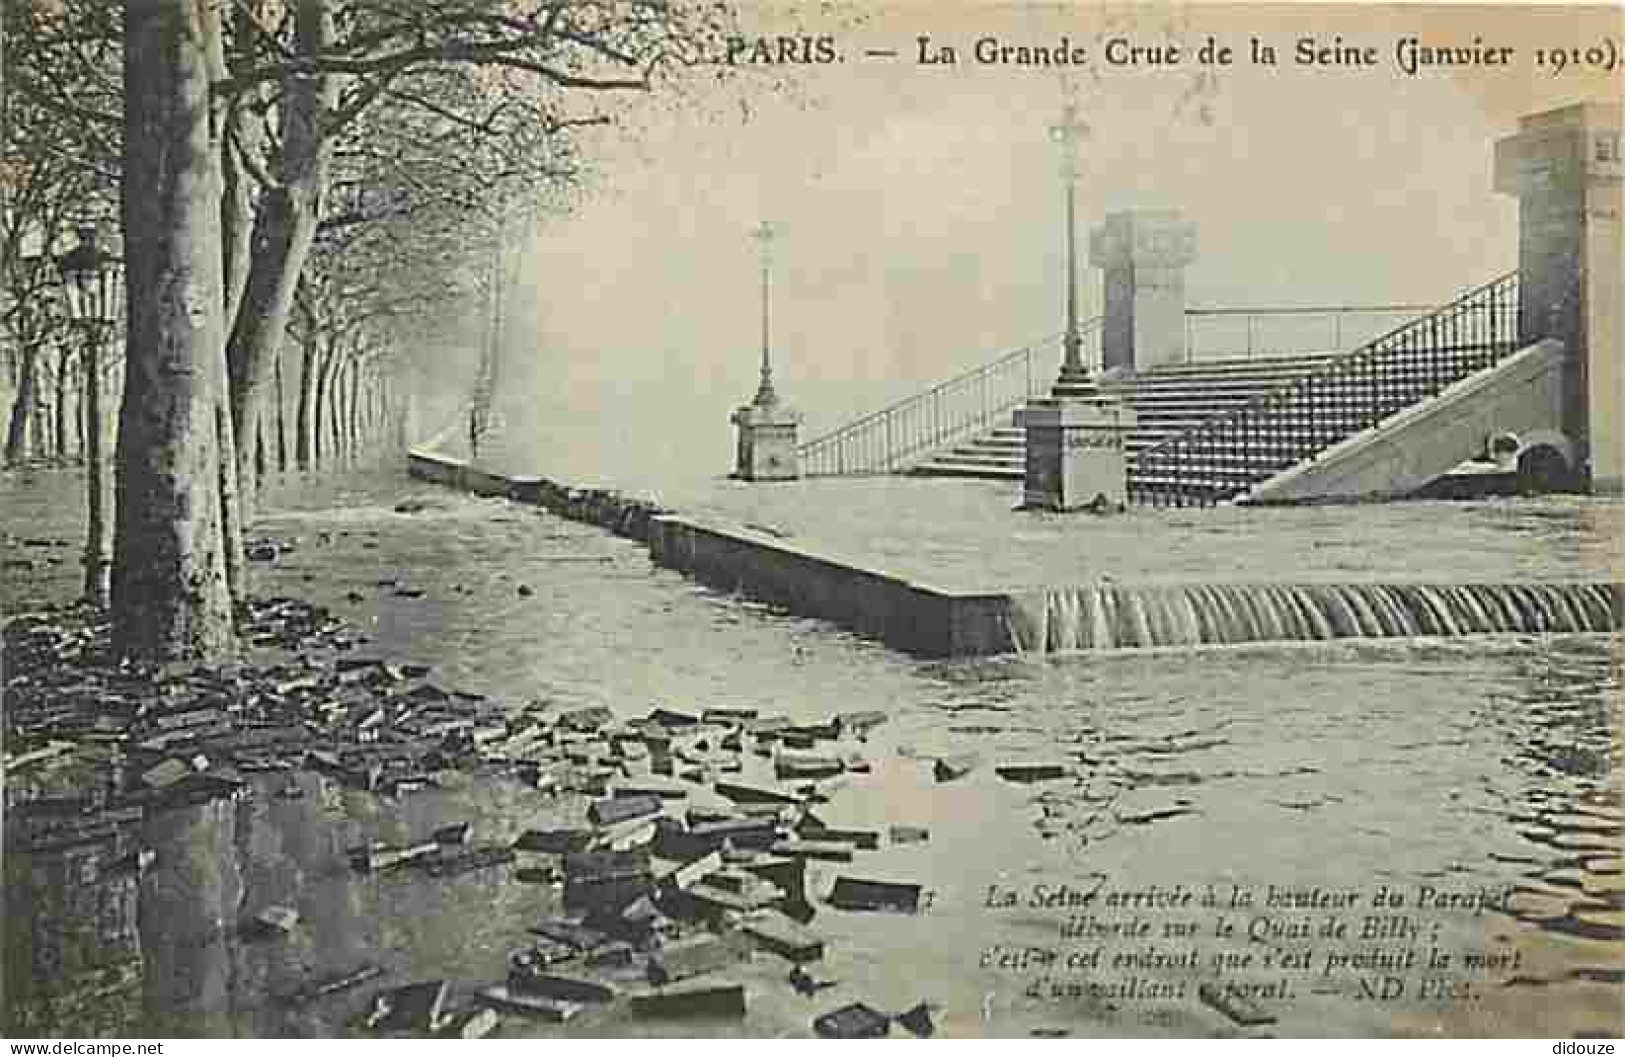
[1410, 54]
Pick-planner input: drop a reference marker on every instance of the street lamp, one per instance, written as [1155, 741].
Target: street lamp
[764, 236]
[1074, 377]
[93, 282]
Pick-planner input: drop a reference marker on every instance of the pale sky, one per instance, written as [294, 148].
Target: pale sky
[921, 212]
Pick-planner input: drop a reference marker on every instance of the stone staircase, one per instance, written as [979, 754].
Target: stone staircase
[1222, 430]
[1167, 401]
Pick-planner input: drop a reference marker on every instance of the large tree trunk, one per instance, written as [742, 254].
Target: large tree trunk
[98, 527]
[22, 407]
[305, 419]
[59, 419]
[39, 422]
[284, 231]
[351, 404]
[324, 403]
[231, 504]
[236, 223]
[170, 595]
[240, 134]
[281, 419]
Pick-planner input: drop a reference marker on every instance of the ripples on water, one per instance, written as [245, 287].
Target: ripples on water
[1478, 761]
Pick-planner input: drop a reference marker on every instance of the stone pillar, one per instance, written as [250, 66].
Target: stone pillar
[767, 442]
[1564, 167]
[1143, 254]
[1076, 456]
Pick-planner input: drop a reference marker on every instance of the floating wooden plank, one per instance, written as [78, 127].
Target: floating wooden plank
[621, 808]
[457, 833]
[590, 718]
[311, 991]
[856, 1021]
[909, 834]
[539, 1006]
[864, 839]
[859, 723]
[475, 859]
[851, 893]
[727, 1000]
[553, 841]
[918, 1021]
[415, 1007]
[824, 850]
[713, 901]
[646, 788]
[780, 935]
[470, 1024]
[570, 933]
[729, 715]
[560, 986]
[799, 766]
[1027, 773]
[691, 872]
[951, 768]
[689, 958]
[744, 833]
[627, 835]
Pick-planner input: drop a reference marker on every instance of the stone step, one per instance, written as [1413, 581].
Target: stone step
[1170, 401]
[1260, 365]
[952, 468]
[992, 459]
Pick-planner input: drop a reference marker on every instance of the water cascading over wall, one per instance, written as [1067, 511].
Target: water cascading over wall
[1111, 616]
[935, 621]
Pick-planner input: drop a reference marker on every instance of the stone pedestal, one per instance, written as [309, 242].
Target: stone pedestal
[1143, 254]
[1564, 167]
[767, 442]
[1075, 453]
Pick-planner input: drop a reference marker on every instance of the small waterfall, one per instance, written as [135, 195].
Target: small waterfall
[1109, 616]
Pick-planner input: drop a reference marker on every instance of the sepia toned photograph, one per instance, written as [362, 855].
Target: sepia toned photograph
[560, 519]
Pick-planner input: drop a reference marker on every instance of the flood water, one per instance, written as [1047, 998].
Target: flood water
[1446, 769]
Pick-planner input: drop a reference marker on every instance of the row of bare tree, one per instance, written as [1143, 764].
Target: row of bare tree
[298, 185]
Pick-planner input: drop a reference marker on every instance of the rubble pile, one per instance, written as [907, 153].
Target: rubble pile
[686, 877]
[119, 738]
[687, 865]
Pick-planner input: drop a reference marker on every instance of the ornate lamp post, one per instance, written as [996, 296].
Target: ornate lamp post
[767, 429]
[1074, 378]
[1076, 436]
[764, 235]
[93, 281]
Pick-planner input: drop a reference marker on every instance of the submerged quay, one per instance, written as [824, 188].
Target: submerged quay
[542, 686]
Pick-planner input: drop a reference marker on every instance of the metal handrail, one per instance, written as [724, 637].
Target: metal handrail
[885, 441]
[1344, 396]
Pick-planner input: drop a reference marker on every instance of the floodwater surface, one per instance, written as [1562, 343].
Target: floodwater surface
[1243, 787]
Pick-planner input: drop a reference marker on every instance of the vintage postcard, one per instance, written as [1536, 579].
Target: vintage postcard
[844, 520]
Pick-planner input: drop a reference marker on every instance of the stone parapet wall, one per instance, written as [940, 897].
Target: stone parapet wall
[934, 622]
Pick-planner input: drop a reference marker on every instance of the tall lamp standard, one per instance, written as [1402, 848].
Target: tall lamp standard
[766, 449]
[764, 235]
[1074, 379]
[1077, 435]
[92, 279]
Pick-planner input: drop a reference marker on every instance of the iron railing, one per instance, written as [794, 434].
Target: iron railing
[1247, 333]
[895, 437]
[1222, 457]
